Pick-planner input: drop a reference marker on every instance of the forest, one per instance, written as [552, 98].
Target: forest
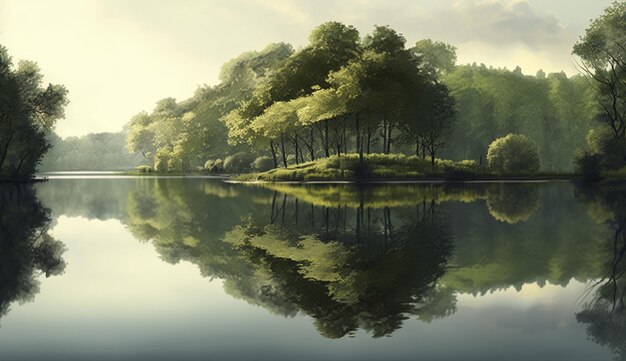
[346, 94]
[91, 152]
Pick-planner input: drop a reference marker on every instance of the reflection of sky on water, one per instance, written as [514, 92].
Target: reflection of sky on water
[118, 299]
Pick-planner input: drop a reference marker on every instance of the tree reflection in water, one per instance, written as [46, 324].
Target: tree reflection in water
[367, 257]
[26, 249]
[604, 314]
[349, 268]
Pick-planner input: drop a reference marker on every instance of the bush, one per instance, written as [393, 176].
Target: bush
[513, 154]
[237, 163]
[588, 165]
[291, 159]
[144, 169]
[162, 160]
[214, 165]
[218, 166]
[262, 164]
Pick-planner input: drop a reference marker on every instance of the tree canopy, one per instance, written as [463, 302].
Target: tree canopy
[28, 112]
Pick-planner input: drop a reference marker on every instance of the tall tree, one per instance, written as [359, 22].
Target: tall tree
[602, 54]
[28, 112]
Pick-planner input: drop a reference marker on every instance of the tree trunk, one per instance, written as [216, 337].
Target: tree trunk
[389, 139]
[344, 139]
[296, 146]
[326, 145]
[359, 145]
[273, 154]
[384, 135]
[5, 151]
[282, 148]
[312, 149]
[369, 137]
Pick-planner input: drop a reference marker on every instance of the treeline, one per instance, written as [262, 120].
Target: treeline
[94, 151]
[344, 94]
[555, 112]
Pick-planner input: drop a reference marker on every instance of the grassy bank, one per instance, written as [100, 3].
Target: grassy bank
[375, 167]
[380, 167]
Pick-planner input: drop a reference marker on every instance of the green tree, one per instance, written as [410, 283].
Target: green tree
[513, 154]
[437, 57]
[28, 112]
[602, 54]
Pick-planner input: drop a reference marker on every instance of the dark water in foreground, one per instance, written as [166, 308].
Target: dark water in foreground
[150, 268]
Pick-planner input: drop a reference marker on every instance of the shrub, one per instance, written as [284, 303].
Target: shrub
[588, 165]
[237, 162]
[218, 166]
[262, 164]
[144, 169]
[459, 173]
[513, 154]
[213, 166]
[162, 160]
[209, 164]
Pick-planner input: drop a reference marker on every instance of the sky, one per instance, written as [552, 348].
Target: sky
[118, 57]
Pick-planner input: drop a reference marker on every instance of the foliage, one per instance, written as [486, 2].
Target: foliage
[602, 55]
[513, 154]
[237, 163]
[144, 169]
[28, 112]
[554, 112]
[94, 151]
[588, 165]
[262, 164]
[179, 135]
[341, 94]
[379, 166]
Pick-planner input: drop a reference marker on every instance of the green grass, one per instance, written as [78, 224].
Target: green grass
[615, 174]
[375, 166]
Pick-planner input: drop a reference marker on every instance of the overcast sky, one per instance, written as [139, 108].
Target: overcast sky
[118, 57]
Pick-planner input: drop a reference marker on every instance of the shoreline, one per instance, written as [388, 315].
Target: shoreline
[232, 179]
[418, 180]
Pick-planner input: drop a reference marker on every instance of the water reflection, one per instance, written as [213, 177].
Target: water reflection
[26, 248]
[372, 257]
[356, 257]
[347, 268]
[604, 314]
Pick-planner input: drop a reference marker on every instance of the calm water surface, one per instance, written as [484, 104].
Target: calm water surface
[129, 268]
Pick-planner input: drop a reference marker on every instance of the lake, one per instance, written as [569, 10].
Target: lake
[127, 268]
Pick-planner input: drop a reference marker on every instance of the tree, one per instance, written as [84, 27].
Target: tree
[602, 54]
[513, 154]
[331, 46]
[435, 57]
[437, 107]
[140, 137]
[28, 112]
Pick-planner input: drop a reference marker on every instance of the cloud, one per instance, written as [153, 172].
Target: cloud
[289, 10]
[501, 23]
